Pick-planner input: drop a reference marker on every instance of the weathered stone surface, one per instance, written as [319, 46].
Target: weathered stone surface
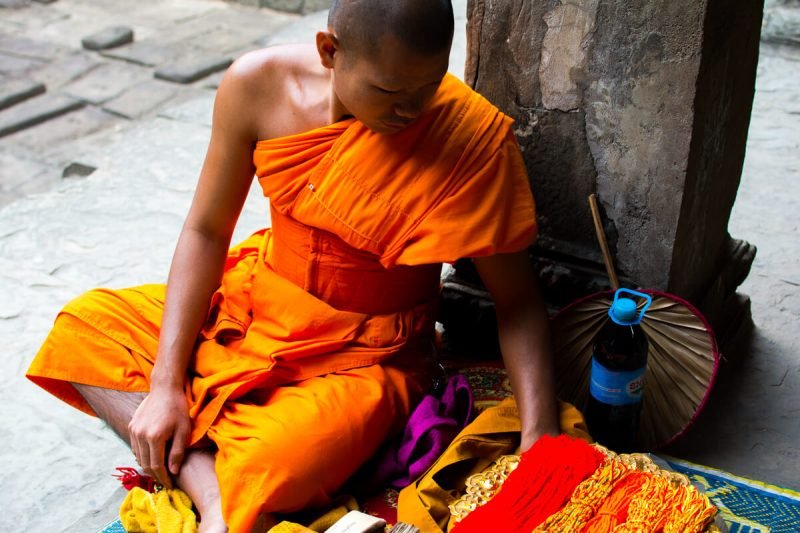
[145, 53]
[192, 70]
[556, 152]
[108, 38]
[64, 70]
[312, 6]
[193, 110]
[15, 65]
[302, 31]
[12, 4]
[642, 102]
[16, 169]
[721, 119]
[781, 22]
[36, 111]
[292, 6]
[31, 48]
[77, 170]
[141, 98]
[562, 71]
[505, 38]
[53, 140]
[105, 82]
[14, 91]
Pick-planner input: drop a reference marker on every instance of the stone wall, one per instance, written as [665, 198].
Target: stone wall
[645, 103]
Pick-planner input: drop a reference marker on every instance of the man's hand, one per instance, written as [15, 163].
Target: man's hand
[161, 419]
[530, 437]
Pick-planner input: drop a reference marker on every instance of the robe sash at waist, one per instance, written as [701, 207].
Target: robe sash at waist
[347, 279]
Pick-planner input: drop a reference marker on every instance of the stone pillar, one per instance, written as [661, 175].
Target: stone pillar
[645, 103]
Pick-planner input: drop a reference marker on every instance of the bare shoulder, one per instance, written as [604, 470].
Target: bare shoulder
[279, 89]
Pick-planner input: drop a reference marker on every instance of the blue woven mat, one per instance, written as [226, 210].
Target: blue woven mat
[747, 506]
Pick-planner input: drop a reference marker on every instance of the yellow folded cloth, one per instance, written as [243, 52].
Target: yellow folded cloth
[166, 511]
[320, 520]
[290, 527]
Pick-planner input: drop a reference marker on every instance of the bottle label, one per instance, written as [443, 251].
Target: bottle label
[616, 387]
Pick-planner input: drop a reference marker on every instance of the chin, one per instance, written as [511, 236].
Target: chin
[388, 128]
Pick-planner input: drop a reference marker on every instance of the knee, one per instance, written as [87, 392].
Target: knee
[283, 481]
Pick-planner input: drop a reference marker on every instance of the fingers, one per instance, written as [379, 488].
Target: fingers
[149, 453]
[156, 461]
[178, 448]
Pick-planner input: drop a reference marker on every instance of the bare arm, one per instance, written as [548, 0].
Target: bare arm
[162, 419]
[523, 328]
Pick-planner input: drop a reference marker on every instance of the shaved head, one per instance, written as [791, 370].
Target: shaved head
[424, 26]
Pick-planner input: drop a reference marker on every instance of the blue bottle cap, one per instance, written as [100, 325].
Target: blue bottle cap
[623, 311]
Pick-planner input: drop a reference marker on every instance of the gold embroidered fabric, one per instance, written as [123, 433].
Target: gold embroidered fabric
[666, 498]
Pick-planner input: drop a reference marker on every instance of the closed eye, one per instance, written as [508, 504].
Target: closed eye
[385, 91]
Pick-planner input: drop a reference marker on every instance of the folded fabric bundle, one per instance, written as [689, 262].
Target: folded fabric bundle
[539, 486]
[564, 484]
[165, 511]
[430, 429]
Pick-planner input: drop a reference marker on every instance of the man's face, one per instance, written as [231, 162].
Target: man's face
[389, 87]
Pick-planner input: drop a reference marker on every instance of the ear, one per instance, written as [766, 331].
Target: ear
[327, 47]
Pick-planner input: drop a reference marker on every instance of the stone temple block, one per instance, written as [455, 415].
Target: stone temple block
[645, 103]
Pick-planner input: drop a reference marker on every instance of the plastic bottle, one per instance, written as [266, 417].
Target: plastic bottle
[619, 362]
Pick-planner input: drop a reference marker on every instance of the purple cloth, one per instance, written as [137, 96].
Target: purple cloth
[432, 426]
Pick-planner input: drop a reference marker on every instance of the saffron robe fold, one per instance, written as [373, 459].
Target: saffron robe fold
[315, 345]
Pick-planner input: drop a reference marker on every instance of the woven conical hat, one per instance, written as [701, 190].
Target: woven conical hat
[681, 365]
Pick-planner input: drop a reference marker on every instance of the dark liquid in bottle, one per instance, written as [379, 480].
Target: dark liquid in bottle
[615, 395]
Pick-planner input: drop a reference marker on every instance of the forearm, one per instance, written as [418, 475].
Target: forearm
[195, 274]
[525, 344]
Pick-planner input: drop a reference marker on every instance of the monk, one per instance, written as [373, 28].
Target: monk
[259, 379]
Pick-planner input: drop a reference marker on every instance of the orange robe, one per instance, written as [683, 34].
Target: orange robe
[315, 345]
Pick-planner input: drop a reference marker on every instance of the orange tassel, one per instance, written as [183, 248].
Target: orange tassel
[586, 499]
[541, 484]
[614, 510]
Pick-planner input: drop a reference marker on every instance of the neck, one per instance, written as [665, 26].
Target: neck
[337, 110]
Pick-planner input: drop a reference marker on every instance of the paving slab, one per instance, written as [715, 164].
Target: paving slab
[192, 69]
[31, 48]
[35, 111]
[16, 169]
[147, 53]
[32, 19]
[63, 70]
[196, 110]
[14, 91]
[55, 140]
[14, 4]
[105, 82]
[141, 98]
[15, 65]
[108, 38]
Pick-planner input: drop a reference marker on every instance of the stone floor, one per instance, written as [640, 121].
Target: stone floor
[95, 197]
